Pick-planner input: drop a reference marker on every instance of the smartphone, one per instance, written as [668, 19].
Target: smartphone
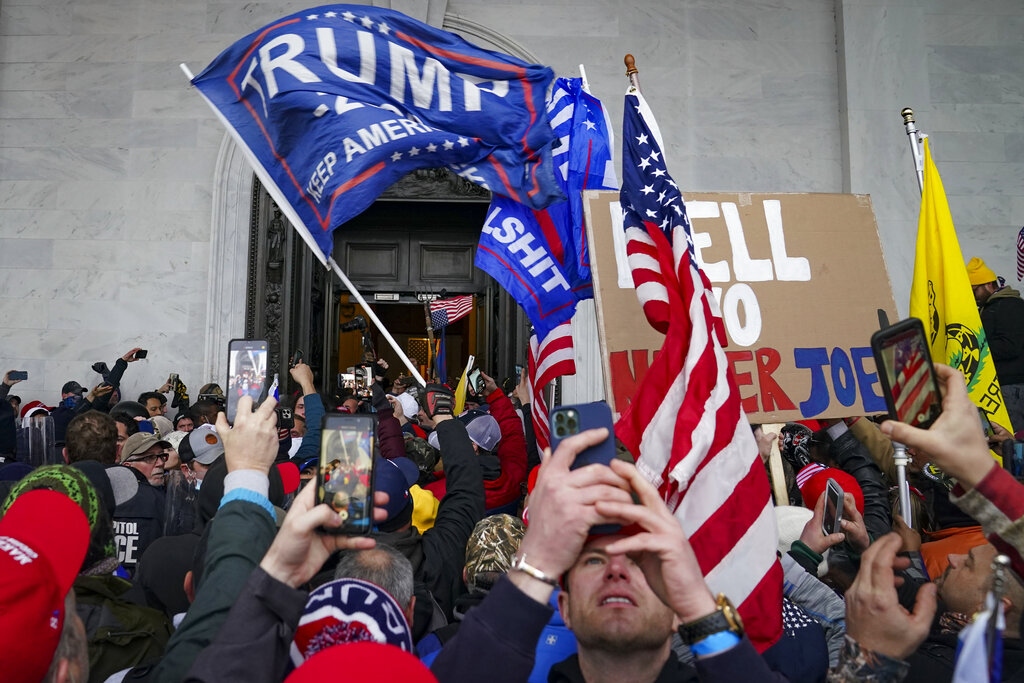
[296, 358]
[476, 382]
[247, 372]
[830, 521]
[569, 420]
[17, 374]
[905, 370]
[172, 379]
[345, 477]
[141, 353]
[1013, 457]
[519, 374]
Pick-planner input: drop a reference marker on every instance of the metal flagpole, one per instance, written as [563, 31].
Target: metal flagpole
[915, 137]
[900, 458]
[1000, 566]
[332, 264]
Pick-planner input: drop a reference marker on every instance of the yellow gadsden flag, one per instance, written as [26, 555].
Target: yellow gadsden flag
[941, 298]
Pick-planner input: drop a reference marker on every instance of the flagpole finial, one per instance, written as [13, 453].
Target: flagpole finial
[908, 115]
[630, 63]
[631, 72]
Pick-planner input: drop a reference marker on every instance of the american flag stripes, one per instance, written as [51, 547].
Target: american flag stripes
[685, 423]
[548, 359]
[1020, 255]
[443, 312]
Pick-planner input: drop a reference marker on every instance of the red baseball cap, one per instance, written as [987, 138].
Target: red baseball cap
[363, 661]
[43, 540]
[813, 480]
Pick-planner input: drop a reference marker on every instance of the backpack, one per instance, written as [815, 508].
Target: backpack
[119, 634]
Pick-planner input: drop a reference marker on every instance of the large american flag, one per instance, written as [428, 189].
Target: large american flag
[550, 358]
[685, 421]
[443, 312]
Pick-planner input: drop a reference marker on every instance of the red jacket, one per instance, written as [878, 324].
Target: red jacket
[511, 453]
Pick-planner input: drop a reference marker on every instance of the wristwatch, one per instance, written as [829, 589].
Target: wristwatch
[724, 618]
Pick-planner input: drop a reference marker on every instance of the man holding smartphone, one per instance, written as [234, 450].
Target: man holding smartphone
[622, 593]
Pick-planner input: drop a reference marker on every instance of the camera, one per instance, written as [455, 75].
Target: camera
[353, 325]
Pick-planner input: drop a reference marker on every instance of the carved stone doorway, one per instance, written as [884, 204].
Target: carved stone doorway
[418, 239]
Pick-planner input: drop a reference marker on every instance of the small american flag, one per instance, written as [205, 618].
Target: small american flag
[1020, 255]
[685, 423]
[443, 312]
[549, 359]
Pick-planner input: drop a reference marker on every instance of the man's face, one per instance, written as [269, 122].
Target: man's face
[352, 404]
[197, 468]
[173, 461]
[185, 424]
[122, 435]
[154, 407]
[983, 292]
[300, 407]
[150, 463]
[609, 606]
[397, 388]
[964, 583]
[299, 430]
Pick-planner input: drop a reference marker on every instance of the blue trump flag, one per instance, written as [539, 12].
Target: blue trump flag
[540, 256]
[334, 104]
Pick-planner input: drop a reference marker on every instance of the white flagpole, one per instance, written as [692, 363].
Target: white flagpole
[297, 224]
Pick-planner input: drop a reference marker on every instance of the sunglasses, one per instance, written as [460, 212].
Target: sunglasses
[149, 459]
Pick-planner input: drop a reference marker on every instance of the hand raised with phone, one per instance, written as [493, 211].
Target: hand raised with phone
[955, 443]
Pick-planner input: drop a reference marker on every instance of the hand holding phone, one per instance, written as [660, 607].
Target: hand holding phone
[345, 476]
[16, 376]
[568, 421]
[831, 520]
[247, 372]
[906, 372]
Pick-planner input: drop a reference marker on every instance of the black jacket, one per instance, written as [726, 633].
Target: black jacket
[138, 522]
[439, 555]
[8, 425]
[853, 458]
[1002, 316]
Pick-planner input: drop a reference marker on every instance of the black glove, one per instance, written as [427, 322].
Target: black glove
[378, 398]
[794, 444]
[437, 399]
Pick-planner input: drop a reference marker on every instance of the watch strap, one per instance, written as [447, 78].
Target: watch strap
[700, 629]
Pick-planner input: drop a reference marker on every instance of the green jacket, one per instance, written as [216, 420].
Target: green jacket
[239, 536]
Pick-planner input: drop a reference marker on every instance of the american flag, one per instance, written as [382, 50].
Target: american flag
[443, 312]
[549, 359]
[685, 423]
[1020, 255]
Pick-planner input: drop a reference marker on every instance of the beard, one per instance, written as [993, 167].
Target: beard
[623, 636]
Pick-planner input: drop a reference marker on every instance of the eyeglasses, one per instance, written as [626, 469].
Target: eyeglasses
[149, 459]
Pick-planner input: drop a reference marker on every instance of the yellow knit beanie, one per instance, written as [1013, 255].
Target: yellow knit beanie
[979, 273]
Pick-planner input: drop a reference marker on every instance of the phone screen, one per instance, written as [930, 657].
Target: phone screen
[345, 477]
[833, 508]
[247, 372]
[519, 374]
[475, 381]
[907, 373]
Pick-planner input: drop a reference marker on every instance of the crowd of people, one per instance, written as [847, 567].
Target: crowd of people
[142, 547]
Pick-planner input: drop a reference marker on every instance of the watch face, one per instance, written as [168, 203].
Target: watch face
[731, 614]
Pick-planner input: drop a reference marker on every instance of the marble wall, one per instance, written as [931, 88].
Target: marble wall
[122, 216]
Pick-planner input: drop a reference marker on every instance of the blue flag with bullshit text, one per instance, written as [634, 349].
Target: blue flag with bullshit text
[540, 255]
[334, 104]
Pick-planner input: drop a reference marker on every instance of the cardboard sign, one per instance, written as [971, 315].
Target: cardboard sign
[799, 279]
